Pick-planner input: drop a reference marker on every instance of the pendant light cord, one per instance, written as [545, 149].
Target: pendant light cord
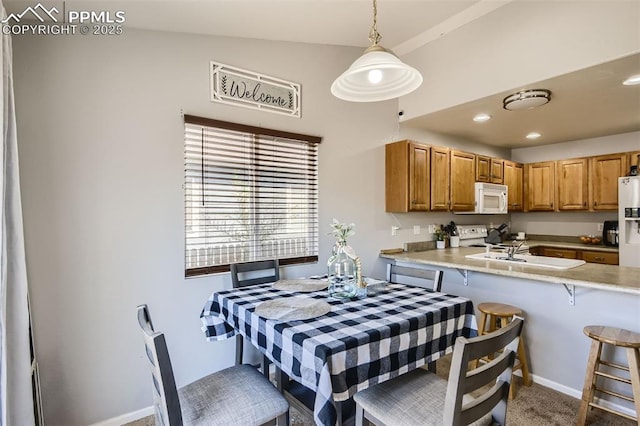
[374, 35]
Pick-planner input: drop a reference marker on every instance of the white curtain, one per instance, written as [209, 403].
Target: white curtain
[15, 361]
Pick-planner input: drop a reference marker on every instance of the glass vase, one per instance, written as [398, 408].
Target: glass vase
[342, 272]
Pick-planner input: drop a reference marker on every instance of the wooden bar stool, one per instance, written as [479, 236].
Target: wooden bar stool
[617, 337]
[490, 315]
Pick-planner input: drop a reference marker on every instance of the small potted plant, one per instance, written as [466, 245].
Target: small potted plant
[440, 236]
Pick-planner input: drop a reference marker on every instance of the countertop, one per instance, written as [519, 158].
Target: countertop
[592, 275]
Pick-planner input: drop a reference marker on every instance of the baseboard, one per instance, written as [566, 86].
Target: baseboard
[126, 418]
[577, 393]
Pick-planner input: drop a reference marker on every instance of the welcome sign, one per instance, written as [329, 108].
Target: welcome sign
[235, 86]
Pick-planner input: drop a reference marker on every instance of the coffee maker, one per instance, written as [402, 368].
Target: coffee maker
[610, 233]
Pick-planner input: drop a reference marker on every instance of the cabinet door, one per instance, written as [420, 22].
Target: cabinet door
[463, 172]
[540, 185]
[513, 178]
[558, 252]
[633, 159]
[419, 177]
[497, 170]
[607, 258]
[573, 184]
[483, 168]
[440, 173]
[605, 171]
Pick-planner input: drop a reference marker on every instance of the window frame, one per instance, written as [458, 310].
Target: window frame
[255, 131]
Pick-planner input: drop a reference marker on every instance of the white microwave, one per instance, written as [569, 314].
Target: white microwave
[491, 198]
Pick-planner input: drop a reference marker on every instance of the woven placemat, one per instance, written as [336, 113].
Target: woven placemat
[301, 285]
[293, 308]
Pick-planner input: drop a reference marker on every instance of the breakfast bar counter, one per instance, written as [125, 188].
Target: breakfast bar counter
[592, 275]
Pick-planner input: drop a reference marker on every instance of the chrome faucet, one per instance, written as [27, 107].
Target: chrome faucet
[513, 249]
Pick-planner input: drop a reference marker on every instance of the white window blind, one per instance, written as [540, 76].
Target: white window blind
[250, 194]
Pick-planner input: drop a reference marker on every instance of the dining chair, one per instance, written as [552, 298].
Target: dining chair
[431, 279]
[237, 395]
[253, 273]
[422, 398]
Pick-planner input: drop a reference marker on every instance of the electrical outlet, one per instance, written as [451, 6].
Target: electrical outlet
[416, 229]
[432, 229]
[394, 230]
[600, 226]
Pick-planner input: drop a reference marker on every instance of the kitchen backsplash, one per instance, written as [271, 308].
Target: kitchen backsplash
[564, 223]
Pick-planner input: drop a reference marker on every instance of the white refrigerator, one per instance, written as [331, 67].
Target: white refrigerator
[629, 220]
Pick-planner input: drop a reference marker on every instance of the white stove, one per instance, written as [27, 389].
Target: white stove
[474, 235]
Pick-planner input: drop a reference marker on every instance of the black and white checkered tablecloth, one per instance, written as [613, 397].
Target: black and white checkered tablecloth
[358, 344]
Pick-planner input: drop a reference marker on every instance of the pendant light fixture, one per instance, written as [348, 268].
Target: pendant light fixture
[377, 75]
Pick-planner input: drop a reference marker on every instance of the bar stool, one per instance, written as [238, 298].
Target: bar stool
[494, 316]
[617, 337]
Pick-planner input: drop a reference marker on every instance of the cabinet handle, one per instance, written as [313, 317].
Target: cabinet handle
[413, 201]
[584, 204]
[559, 254]
[599, 259]
[595, 203]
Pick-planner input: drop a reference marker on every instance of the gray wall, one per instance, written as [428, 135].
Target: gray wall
[101, 150]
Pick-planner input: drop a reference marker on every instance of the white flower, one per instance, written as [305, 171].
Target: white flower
[342, 231]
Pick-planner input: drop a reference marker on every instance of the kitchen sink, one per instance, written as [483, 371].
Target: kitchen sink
[528, 260]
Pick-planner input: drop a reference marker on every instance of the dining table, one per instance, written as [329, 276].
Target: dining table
[341, 346]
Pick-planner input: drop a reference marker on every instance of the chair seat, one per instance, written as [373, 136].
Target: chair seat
[238, 395]
[415, 398]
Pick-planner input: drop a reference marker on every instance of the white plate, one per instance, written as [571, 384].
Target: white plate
[293, 308]
[301, 285]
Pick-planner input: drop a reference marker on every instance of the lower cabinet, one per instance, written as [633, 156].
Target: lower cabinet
[603, 257]
[589, 256]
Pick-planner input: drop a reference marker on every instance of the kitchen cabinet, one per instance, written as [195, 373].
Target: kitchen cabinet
[483, 168]
[540, 186]
[604, 257]
[513, 178]
[633, 159]
[559, 252]
[589, 256]
[407, 177]
[440, 176]
[605, 171]
[463, 172]
[497, 170]
[572, 181]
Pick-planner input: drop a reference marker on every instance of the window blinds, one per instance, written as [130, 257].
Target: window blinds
[250, 194]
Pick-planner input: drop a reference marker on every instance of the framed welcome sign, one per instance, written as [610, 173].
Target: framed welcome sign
[235, 86]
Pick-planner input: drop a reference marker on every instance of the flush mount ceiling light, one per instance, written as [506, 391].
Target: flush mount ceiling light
[526, 99]
[377, 75]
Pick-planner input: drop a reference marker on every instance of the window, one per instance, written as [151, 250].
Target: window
[250, 194]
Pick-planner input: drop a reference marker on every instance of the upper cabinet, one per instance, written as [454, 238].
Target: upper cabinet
[483, 168]
[514, 178]
[573, 184]
[407, 177]
[497, 170]
[440, 173]
[463, 172]
[420, 177]
[540, 181]
[605, 171]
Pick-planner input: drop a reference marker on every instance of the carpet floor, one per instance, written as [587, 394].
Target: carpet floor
[535, 405]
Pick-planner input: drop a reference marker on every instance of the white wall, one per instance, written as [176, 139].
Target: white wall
[101, 150]
[518, 44]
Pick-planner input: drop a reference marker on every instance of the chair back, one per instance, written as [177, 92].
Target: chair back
[166, 403]
[503, 344]
[431, 279]
[253, 273]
